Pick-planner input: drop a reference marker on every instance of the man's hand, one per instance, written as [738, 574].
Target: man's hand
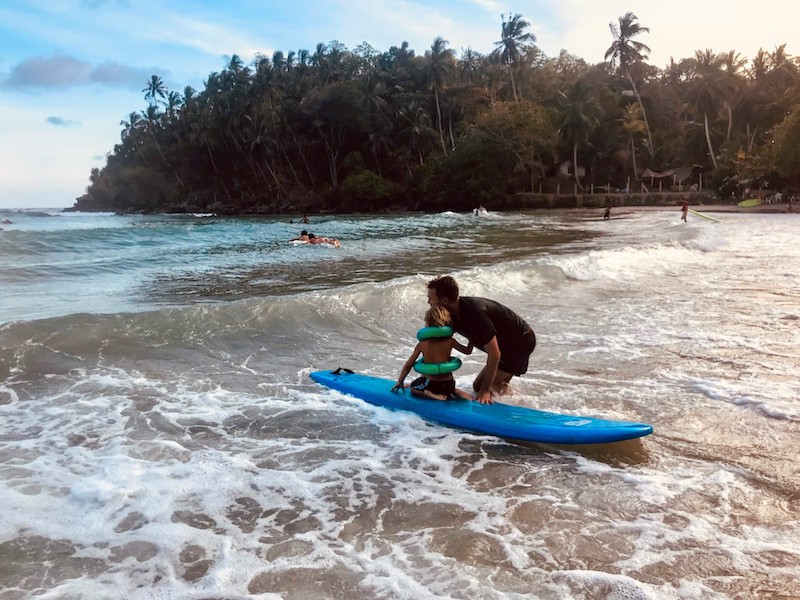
[484, 397]
[399, 387]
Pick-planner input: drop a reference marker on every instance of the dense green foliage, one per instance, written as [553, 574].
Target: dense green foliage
[360, 129]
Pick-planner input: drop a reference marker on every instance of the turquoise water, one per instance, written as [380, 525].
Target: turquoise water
[61, 263]
[160, 437]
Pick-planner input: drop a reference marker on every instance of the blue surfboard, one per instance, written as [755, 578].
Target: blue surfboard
[501, 420]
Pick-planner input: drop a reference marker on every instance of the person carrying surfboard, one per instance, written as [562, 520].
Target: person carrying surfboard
[435, 344]
[494, 328]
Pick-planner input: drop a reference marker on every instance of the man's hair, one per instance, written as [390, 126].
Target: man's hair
[438, 316]
[304, 232]
[445, 287]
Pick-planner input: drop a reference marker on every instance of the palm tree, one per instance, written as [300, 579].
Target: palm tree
[441, 60]
[705, 91]
[732, 64]
[173, 103]
[278, 60]
[154, 90]
[633, 125]
[319, 54]
[782, 77]
[130, 132]
[235, 64]
[415, 129]
[151, 115]
[201, 133]
[303, 58]
[513, 39]
[579, 117]
[468, 64]
[626, 51]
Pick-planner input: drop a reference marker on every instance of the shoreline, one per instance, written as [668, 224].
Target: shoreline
[709, 208]
[782, 207]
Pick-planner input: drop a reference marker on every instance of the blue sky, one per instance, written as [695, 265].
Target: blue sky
[71, 70]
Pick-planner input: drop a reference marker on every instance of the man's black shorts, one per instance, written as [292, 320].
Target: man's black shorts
[514, 358]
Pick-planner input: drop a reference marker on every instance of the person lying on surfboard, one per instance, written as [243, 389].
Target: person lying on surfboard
[435, 344]
[313, 239]
[303, 237]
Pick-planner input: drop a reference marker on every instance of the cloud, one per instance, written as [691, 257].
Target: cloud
[62, 71]
[62, 122]
[56, 71]
[115, 74]
[492, 6]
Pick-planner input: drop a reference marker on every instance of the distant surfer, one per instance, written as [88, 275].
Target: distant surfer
[313, 239]
[435, 350]
[684, 208]
[303, 237]
[607, 213]
[497, 330]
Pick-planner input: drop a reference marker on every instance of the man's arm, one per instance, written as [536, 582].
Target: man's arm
[489, 371]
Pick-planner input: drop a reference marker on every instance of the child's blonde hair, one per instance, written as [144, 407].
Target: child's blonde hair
[438, 316]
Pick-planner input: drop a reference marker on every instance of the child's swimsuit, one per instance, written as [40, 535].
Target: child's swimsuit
[445, 387]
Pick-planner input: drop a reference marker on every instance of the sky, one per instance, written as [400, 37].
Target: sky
[72, 70]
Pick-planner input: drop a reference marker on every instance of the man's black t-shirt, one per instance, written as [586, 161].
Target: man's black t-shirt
[481, 319]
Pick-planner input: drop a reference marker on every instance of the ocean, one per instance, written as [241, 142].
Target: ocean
[160, 437]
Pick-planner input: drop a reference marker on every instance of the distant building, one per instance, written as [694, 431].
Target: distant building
[565, 168]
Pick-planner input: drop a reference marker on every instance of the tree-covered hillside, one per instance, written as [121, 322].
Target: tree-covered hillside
[361, 129]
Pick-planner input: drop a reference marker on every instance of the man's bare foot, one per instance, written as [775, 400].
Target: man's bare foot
[504, 389]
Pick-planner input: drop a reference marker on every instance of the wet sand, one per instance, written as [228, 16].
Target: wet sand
[711, 208]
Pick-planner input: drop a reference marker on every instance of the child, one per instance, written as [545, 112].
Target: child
[435, 350]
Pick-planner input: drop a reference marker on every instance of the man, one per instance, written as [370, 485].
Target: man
[497, 330]
[684, 208]
[313, 239]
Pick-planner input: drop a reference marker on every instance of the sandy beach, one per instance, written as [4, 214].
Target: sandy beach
[724, 208]
[623, 211]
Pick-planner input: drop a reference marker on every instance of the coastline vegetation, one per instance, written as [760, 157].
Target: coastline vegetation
[363, 130]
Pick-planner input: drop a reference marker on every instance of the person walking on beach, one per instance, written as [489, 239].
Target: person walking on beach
[502, 334]
[684, 208]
